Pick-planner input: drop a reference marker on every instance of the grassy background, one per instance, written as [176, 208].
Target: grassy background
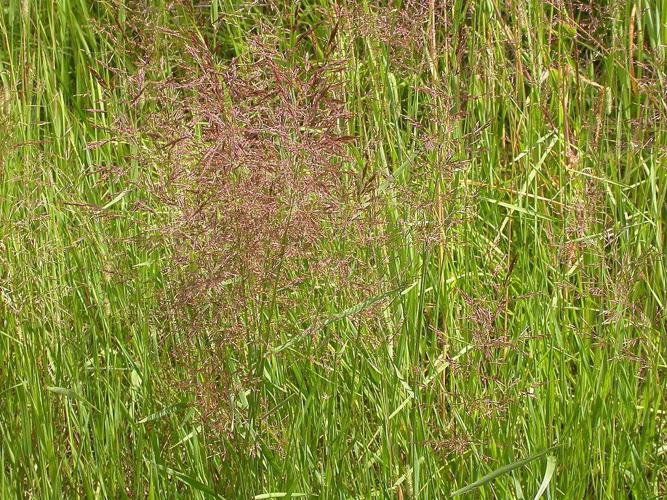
[536, 320]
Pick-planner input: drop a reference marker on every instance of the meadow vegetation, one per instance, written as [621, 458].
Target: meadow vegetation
[335, 249]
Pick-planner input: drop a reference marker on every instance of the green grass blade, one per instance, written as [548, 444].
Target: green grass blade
[502, 470]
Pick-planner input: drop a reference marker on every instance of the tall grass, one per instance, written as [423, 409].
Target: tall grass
[485, 308]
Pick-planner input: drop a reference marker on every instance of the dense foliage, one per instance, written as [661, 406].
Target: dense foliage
[342, 249]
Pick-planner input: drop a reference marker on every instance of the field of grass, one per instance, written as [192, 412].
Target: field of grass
[346, 249]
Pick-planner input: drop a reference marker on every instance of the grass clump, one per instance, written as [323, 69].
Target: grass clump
[349, 249]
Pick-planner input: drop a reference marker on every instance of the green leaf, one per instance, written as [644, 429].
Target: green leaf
[362, 306]
[70, 394]
[118, 197]
[163, 413]
[195, 484]
[502, 470]
[548, 474]
[265, 496]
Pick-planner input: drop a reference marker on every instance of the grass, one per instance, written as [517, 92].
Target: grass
[516, 350]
